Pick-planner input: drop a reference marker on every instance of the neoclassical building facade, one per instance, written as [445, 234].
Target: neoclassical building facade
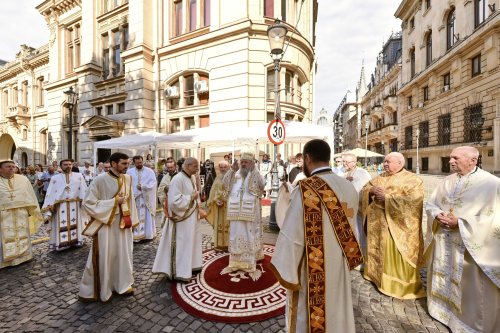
[154, 65]
[450, 92]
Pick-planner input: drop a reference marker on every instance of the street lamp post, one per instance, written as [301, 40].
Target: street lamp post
[417, 168]
[71, 98]
[276, 34]
[367, 126]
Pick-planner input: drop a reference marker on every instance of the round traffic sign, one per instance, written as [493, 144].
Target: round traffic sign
[276, 132]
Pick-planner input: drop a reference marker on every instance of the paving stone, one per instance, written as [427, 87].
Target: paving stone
[42, 297]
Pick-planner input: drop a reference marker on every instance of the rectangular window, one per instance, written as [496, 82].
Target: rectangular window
[189, 123]
[445, 164]
[98, 111]
[189, 90]
[40, 96]
[121, 108]
[192, 15]
[473, 122]
[178, 18]
[479, 12]
[25, 93]
[174, 125]
[116, 53]
[409, 163]
[446, 82]
[408, 137]
[476, 65]
[426, 93]
[444, 129]
[105, 56]
[270, 84]
[269, 8]
[109, 109]
[204, 121]
[206, 13]
[270, 117]
[289, 87]
[425, 164]
[423, 137]
[410, 102]
[125, 38]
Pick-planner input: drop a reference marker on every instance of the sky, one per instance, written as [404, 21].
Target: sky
[347, 32]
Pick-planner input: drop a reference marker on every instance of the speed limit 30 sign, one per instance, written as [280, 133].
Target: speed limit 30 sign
[276, 132]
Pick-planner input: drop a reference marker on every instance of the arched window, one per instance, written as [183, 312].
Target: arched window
[450, 29]
[412, 62]
[428, 49]
[189, 89]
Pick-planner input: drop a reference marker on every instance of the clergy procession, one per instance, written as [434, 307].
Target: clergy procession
[335, 222]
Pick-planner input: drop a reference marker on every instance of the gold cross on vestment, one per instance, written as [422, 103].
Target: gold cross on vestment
[11, 196]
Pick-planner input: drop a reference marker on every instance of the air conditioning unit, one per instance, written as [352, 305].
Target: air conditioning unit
[171, 92]
[446, 87]
[420, 105]
[201, 86]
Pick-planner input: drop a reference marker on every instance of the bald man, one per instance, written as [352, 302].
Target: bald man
[392, 205]
[463, 213]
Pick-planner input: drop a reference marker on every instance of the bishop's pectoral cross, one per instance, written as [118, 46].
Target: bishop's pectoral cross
[11, 196]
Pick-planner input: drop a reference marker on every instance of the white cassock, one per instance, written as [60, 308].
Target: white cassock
[360, 178]
[463, 278]
[288, 260]
[109, 266]
[64, 196]
[245, 222]
[180, 249]
[145, 200]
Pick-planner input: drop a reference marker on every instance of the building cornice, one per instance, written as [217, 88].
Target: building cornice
[24, 62]
[246, 27]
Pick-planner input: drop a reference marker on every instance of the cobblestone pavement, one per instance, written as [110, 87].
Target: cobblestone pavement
[41, 296]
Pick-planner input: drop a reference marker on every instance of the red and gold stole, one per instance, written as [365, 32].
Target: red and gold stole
[315, 194]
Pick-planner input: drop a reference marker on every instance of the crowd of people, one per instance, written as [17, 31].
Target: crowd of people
[337, 218]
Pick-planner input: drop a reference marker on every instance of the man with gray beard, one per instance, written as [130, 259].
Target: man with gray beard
[244, 189]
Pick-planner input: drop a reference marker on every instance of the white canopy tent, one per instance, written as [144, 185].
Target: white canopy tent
[295, 132]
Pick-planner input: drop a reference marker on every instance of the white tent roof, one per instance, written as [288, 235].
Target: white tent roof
[141, 140]
[295, 132]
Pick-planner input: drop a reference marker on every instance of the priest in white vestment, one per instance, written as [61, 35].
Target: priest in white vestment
[110, 203]
[358, 178]
[245, 188]
[62, 208]
[179, 254]
[20, 216]
[463, 280]
[298, 263]
[144, 189]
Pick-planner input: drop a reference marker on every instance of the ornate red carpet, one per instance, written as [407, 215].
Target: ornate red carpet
[233, 297]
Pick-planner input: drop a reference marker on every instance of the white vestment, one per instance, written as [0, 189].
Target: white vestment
[109, 265]
[360, 178]
[19, 219]
[180, 249]
[62, 206]
[245, 221]
[463, 278]
[265, 169]
[288, 260]
[145, 200]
